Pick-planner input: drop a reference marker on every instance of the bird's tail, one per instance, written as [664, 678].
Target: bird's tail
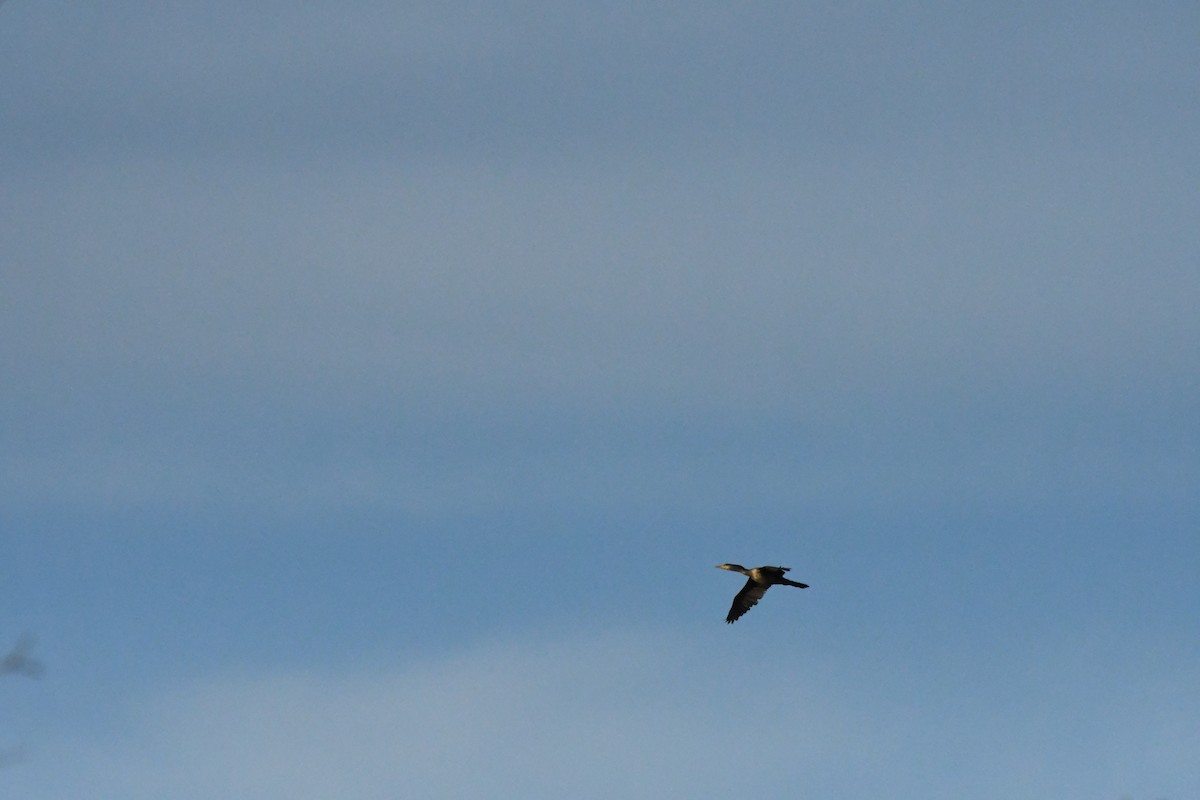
[795, 583]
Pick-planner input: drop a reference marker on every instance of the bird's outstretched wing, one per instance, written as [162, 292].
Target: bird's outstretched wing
[750, 594]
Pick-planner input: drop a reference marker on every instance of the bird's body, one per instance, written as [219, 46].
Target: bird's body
[760, 579]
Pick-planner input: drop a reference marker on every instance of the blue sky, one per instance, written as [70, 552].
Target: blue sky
[383, 382]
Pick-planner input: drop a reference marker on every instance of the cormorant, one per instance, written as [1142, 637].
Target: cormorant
[761, 579]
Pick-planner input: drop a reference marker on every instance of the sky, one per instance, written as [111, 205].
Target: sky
[383, 381]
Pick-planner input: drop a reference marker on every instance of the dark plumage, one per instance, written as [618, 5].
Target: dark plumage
[760, 579]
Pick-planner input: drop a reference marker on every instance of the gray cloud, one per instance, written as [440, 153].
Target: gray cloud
[221, 306]
[503, 81]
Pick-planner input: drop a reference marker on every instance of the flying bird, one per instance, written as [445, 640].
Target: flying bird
[760, 579]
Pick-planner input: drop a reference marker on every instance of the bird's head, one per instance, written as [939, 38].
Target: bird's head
[732, 567]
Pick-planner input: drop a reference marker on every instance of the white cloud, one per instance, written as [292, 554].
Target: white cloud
[627, 716]
[642, 715]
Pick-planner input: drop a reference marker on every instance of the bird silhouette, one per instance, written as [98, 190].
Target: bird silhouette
[760, 579]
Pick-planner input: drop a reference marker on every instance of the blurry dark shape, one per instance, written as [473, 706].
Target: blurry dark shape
[11, 755]
[761, 579]
[19, 661]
